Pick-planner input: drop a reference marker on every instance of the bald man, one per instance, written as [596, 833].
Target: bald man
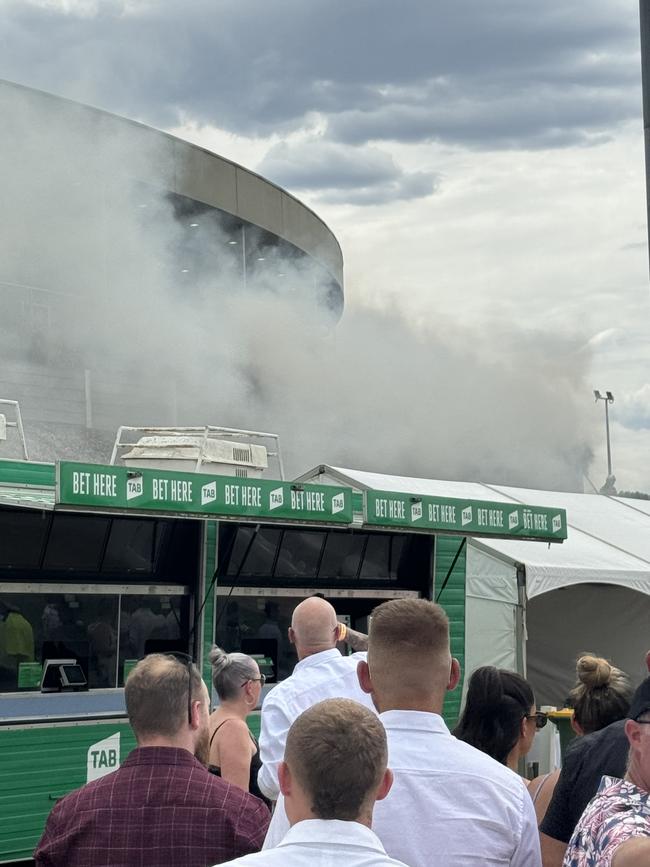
[321, 672]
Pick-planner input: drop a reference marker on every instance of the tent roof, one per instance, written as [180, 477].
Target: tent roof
[608, 537]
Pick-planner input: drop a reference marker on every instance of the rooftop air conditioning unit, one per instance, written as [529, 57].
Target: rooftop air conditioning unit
[189, 453]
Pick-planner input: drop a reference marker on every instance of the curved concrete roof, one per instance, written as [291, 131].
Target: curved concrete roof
[165, 161]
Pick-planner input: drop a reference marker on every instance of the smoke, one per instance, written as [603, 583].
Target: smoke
[121, 304]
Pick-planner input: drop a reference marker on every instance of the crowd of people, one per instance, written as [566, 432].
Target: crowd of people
[355, 764]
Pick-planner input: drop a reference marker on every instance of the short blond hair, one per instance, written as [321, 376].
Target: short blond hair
[337, 752]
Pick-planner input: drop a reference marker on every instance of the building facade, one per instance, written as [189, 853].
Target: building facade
[127, 256]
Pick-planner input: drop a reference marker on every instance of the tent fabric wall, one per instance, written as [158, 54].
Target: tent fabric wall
[491, 613]
[609, 621]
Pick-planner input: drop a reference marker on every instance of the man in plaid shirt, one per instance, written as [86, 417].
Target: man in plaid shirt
[161, 807]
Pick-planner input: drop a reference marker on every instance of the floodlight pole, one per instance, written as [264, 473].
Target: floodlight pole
[644, 14]
[608, 398]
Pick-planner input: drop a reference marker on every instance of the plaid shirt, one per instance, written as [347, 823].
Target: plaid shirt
[160, 809]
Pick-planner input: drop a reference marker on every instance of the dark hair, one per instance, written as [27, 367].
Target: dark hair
[337, 751]
[497, 700]
[601, 696]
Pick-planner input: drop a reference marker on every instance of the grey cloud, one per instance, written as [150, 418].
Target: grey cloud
[501, 74]
[633, 411]
[358, 175]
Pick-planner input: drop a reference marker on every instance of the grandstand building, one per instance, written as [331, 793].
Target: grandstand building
[118, 244]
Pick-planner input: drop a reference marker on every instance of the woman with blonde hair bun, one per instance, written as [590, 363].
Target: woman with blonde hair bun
[601, 696]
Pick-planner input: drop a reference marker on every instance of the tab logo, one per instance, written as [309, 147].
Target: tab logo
[557, 523]
[276, 499]
[208, 493]
[466, 516]
[416, 511]
[338, 503]
[134, 487]
[103, 757]
[513, 520]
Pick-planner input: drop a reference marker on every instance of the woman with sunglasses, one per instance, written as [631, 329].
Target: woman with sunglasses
[234, 752]
[500, 717]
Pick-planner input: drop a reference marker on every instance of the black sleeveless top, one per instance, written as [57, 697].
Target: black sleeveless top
[256, 764]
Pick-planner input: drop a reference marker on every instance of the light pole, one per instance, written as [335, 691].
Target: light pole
[608, 397]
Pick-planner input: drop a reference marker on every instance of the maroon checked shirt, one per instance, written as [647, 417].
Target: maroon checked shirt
[160, 809]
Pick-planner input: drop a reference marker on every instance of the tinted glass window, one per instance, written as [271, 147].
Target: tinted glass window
[22, 534]
[76, 542]
[130, 546]
[376, 557]
[256, 559]
[299, 554]
[342, 555]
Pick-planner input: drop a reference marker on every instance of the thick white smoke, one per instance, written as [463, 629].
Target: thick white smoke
[157, 312]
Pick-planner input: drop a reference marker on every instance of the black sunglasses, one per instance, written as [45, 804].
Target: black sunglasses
[188, 662]
[540, 718]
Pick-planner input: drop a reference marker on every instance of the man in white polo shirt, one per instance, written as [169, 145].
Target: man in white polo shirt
[450, 804]
[334, 771]
[321, 672]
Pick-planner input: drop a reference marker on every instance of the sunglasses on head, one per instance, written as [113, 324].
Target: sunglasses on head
[540, 719]
[187, 660]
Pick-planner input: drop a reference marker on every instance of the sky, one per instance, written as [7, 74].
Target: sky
[480, 163]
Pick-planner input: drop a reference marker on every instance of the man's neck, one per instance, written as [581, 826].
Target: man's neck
[304, 652]
[423, 705]
[178, 743]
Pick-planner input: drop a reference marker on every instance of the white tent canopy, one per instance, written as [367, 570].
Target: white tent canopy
[589, 594]
[608, 537]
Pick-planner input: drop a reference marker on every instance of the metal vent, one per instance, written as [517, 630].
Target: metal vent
[241, 472]
[243, 455]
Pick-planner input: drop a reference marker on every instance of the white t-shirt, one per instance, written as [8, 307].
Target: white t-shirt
[322, 675]
[326, 843]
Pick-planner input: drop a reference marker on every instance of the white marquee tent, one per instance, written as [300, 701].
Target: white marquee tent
[533, 606]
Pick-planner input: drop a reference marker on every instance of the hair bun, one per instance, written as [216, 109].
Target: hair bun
[219, 660]
[593, 671]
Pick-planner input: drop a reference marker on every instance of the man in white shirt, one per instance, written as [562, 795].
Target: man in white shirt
[321, 672]
[450, 804]
[333, 772]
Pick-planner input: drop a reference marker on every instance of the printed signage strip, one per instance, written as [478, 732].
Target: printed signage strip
[470, 517]
[149, 490]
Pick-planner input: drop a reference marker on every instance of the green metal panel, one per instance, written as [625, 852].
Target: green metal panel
[210, 564]
[40, 765]
[452, 600]
[27, 473]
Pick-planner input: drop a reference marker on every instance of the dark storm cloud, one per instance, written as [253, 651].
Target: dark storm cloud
[499, 74]
[358, 175]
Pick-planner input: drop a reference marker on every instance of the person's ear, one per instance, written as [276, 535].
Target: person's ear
[385, 785]
[633, 732]
[292, 635]
[284, 779]
[454, 674]
[363, 673]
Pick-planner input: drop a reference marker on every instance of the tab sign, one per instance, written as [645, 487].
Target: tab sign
[134, 487]
[208, 493]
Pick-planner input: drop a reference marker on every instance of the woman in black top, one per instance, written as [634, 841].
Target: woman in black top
[234, 752]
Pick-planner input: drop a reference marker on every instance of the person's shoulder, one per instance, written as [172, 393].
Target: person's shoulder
[87, 796]
[485, 770]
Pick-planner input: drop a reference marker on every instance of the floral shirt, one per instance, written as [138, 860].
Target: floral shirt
[618, 812]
